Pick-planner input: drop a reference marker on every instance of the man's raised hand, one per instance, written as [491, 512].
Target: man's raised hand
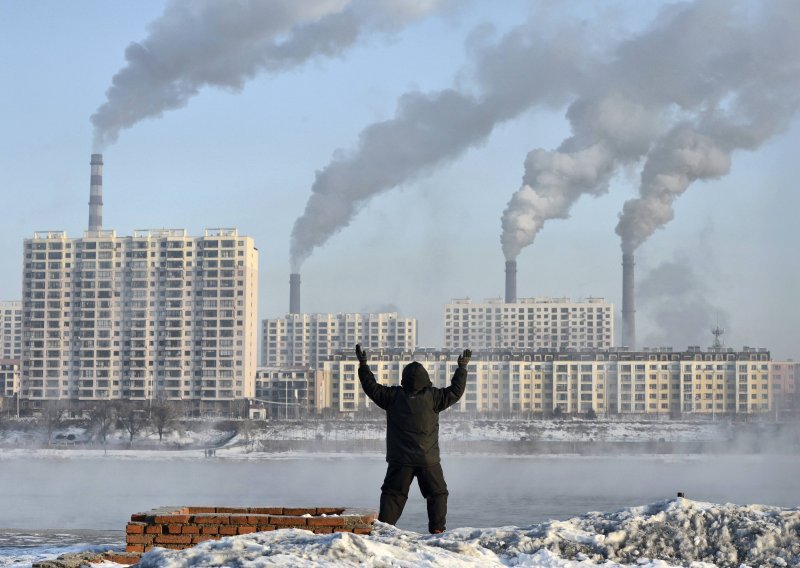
[463, 359]
[361, 354]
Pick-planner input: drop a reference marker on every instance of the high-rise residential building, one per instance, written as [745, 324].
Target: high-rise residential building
[529, 323]
[159, 314]
[606, 381]
[9, 379]
[10, 330]
[305, 340]
[290, 393]
[785, 378]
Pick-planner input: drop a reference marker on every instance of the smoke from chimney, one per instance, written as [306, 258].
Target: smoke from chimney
[205, 43]
[96, 193]
[628, 302]
[294, 293]
[511, 281]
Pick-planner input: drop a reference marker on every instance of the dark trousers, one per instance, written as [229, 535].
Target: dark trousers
[394, 493]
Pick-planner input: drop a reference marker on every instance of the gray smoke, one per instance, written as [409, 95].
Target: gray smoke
[706, 78]
[676, 300]
[201, 43]
[429, 129]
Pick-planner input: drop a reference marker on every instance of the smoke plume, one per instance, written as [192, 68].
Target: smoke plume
[676, 300]
[705, 79]
[429, 129]
[201, 43]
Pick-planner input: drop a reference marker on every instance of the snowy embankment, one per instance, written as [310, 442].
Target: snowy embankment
[679, 532]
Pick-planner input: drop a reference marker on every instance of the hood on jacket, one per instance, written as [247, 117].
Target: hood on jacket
[415, 377]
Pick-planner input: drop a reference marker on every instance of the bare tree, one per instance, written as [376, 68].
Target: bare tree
[163, 416]
[103, 419]
[52, 418]
[132, 419]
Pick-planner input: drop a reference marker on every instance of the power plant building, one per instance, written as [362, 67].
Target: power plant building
[159, 314]
[10, 330]
[305, 340]
[529, 323]
[608, 382]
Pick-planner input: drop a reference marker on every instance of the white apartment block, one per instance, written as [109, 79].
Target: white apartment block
[289, 393]
[9, 378]
[10, 330]
[610, 382]
[156, 314]
[305, 340]
[529, 323]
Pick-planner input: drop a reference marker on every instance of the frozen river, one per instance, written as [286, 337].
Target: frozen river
[101, 492]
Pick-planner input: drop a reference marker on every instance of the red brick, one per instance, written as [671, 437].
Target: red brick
[265, 528]
[171, 519]
[266, 510]
[122, 557]
[190, 529]
[322, 530]
[196, 510]
[369, 519]
[209, 529]
[362, 530]
[140, 538]
[246, 529]
[241, 520]
[175, 546]
[337, 529]
[211, 519]
[134, 548]
[330, 510]
[287, 521]
[174, 529]
[326, 521]
[232, 510]
[228, 529]
[299, 511]
[174, 539]
[135, 528]
[140, 517]
[154, 529]
[198, 538]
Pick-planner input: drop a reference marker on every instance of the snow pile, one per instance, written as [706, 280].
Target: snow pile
[669, 533]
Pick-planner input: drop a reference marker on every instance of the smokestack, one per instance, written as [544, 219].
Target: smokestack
[628, 302]
[294, 293]
[511, 281]
[96, 193]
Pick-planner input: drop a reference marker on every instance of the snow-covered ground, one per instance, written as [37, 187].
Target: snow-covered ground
[678, 532]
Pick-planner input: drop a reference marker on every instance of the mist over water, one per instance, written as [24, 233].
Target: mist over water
[101, 493]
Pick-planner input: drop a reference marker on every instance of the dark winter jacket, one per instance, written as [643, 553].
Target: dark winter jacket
[412, 412]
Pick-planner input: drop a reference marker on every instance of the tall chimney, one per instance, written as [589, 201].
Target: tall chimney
[628, 302]
[294, 293]
[511, 281]
[96, 193]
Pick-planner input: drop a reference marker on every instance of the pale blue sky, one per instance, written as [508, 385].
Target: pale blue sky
[248, 159]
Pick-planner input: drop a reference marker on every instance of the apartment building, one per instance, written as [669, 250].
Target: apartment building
[290, 393]
[9, 378]
[10, 330]
[156, 314]
[305, 340]
[610, 382]
[785, 376]
[529, 323]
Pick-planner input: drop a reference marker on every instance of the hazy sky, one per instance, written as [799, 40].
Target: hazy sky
[254, 113]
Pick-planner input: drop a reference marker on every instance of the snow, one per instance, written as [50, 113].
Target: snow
[665, 534]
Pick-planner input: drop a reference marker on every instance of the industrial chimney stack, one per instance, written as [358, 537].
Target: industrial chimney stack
[628, 302]
[294, 293]
[511, 281]
[96, 193]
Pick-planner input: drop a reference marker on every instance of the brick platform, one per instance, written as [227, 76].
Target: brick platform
[183, 527]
